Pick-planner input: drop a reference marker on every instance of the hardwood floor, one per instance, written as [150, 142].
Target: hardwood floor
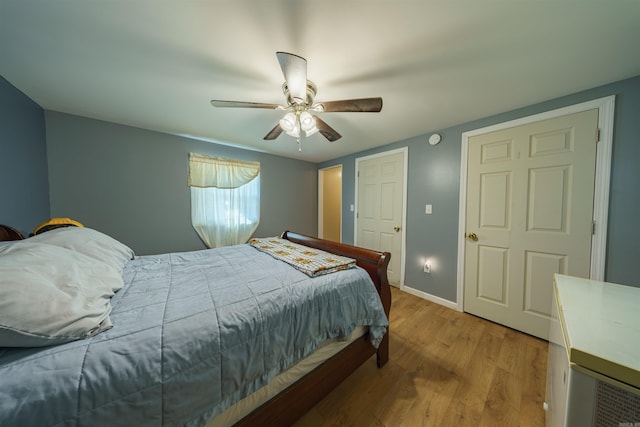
[446, 368]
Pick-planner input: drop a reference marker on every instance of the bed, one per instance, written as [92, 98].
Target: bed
[115, 382]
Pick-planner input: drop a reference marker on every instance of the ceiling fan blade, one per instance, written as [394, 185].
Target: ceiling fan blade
[327, 131]
[294, 69]
[273, 133]
[362, 105]
[240, 104]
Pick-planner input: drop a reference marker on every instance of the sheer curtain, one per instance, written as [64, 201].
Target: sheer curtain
[225, 199]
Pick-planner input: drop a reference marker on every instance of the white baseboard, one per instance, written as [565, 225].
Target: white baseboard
[429, 297]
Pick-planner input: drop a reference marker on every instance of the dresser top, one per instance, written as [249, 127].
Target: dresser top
[601, 326]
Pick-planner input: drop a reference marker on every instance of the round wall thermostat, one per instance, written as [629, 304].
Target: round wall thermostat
[434, 139]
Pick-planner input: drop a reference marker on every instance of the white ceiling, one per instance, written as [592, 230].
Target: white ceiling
[156, 64]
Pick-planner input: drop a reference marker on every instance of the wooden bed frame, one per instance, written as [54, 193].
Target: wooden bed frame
[296, 400]
[9, 233]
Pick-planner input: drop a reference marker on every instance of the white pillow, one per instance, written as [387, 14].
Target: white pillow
[51, 295]
[88, 242]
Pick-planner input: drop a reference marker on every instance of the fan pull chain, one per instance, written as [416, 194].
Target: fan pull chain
[299, 145]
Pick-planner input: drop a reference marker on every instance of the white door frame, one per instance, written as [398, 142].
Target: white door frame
[321, 200]
[606, 107]
[405, 151]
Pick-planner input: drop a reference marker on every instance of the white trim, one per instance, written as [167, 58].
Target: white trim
[606, 108]
[405, 153]
[429, 297]
[321, 199]
[602, 185]
[320, 203]
[462, 221]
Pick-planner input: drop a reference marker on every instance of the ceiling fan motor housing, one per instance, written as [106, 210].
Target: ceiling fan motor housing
[312, 89]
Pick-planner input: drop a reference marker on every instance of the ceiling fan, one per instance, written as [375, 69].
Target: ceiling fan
[300, 94]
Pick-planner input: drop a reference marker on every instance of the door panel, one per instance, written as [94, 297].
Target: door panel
[539, 266]
[495, 197]
[548, 199]
[370, 202]
[387, 197]
[492, 265]
[530, 203]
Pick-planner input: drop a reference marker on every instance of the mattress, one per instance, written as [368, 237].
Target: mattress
[240, 409]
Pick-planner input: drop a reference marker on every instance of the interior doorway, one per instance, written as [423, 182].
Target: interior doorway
[330, 203]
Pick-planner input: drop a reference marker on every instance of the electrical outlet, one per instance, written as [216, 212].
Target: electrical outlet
[428, 209]
[427, 267]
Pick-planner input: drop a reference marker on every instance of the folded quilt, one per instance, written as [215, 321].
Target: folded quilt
[312, 262]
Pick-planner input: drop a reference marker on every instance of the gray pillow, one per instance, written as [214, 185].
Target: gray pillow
[51, 295]
[88, 242]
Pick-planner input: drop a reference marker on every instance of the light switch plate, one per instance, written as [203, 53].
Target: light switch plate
[428, 209]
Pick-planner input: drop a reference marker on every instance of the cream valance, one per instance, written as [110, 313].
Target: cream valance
[205, 171]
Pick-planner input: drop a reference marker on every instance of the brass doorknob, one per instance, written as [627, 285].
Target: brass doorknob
[397, 228]
[472, 236]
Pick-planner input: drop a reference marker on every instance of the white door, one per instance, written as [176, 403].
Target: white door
[529, 215]
[380, 208]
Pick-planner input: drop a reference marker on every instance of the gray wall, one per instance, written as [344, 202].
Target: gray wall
[24, 188]
[434, 177]
[132, 183]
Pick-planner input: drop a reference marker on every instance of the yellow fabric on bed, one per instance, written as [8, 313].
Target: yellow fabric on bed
[312, 262]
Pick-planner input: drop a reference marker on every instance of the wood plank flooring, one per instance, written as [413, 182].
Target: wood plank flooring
[446, 368]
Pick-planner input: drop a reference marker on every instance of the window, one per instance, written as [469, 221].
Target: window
[225, 199]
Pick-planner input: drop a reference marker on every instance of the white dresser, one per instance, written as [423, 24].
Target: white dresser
[593, 373]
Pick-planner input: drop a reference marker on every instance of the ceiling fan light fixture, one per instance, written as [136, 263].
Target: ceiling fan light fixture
[308, 123]
[294, 133]
[289, 122]
[311, 131]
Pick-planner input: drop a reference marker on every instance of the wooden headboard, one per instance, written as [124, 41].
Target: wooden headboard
[9, 233]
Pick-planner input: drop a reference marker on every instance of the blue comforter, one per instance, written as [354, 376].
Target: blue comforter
[192, 334]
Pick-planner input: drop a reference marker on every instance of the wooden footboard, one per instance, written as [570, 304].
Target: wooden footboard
[373, 262]
[295, 401]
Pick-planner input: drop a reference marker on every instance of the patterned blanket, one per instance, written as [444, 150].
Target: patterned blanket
[312, 262]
